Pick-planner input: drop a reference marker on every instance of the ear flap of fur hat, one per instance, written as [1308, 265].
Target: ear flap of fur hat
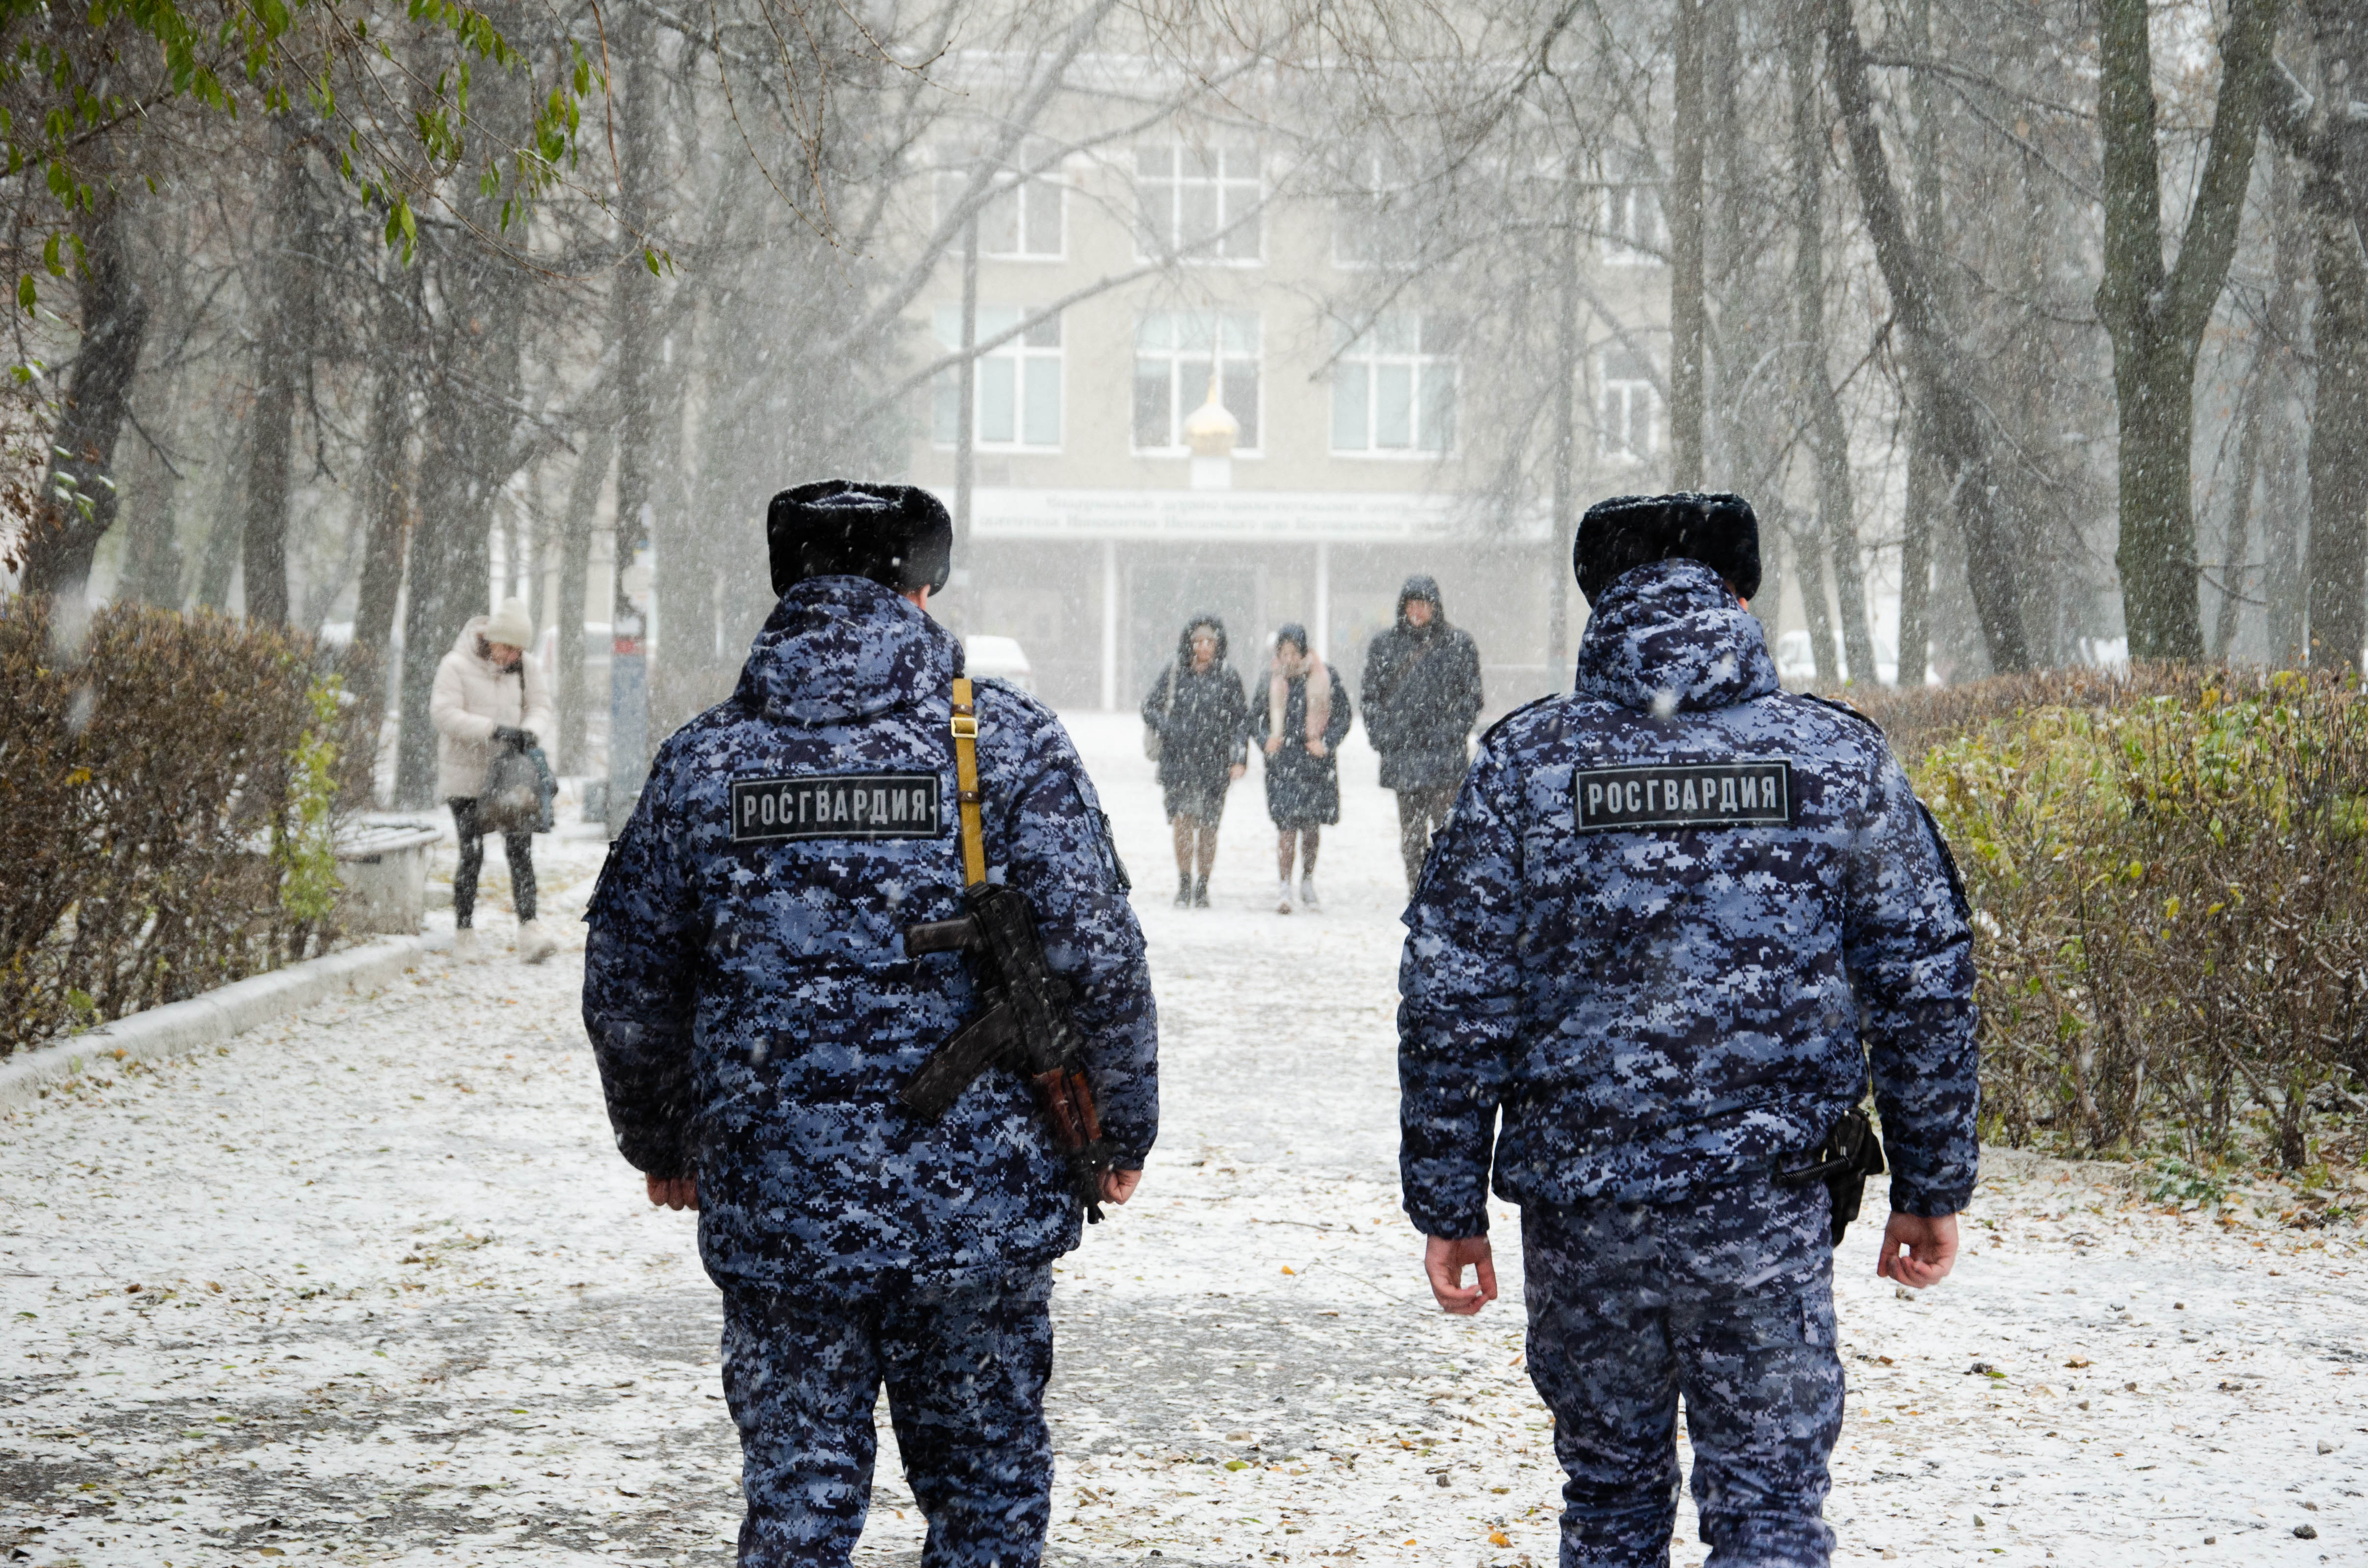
[1717, 528]
[897, 535]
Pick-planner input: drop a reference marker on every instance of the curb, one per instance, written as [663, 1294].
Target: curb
[181, 1026]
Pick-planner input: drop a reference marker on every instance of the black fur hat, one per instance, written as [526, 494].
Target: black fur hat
[1617, 535]
[898, 535]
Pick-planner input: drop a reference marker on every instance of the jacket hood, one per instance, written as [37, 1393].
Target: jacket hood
[472, 630]
[1422, 587]
[1668, 638]
[837, 649]
[1184, 639]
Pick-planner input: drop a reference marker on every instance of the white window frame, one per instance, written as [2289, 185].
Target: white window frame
[1228, 187]
[1363, 364]
[1025, 362]
[1635, 232]
[1026, 194]
[1185, 394]
[1369, 175]
[1622, 400]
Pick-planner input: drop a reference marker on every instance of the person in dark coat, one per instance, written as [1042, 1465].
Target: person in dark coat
[1300, 735]
[1679, 919]
[1196, 711]
[754, 1015]
[1421, 696]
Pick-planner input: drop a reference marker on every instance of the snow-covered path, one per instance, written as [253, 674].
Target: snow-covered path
[372, 1286]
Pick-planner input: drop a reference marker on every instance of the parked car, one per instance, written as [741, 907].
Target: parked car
[1001, 657]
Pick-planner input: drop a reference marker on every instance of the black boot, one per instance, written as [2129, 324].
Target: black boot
[1183, 890]
[1201, 894]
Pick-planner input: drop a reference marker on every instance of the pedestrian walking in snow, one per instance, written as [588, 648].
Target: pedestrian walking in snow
[1421, 696]
[1192, 720]
[490, 696]
[756, 1015]
[1298, 720]
[1676, 915]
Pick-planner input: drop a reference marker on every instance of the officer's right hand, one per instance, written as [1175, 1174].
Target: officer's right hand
[673, 1192]
[1931, 1249]
[1119, 1186]
[1443, 1260]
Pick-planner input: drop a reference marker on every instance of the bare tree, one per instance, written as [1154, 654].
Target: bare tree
[2157, 312]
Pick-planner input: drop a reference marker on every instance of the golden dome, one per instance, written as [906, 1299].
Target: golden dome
[1209, 429]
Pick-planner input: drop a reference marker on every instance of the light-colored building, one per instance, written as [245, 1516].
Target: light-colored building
[1095, 531]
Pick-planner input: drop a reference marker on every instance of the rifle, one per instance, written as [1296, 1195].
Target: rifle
[1850, 1153]
[1028, 1022]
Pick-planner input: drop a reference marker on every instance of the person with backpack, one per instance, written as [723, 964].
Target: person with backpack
[1421, 696]
[490, 696]
[1299, 720]
[1192, 724]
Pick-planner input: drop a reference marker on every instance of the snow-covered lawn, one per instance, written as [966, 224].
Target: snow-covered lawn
[372, 1286]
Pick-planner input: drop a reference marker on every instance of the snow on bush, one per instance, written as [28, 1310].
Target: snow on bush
[2170, 883]
[166, 786]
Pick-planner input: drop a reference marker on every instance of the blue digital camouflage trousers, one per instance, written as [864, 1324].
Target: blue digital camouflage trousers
[1725, 1297]
[965, 1364]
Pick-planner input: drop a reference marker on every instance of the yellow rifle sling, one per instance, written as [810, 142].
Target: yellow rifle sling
[965, 728]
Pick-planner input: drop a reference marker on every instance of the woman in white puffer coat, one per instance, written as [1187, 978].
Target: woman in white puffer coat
[490, 694]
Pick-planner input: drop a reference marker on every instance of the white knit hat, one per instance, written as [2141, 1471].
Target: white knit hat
[513, 624]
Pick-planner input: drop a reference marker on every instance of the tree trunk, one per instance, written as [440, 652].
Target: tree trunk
[1924, 490]
[2236, 538]
[2338, 565]
[1809, 560]
[1829, 434]
[1688, 306]
[584, 488]
[1941, 375]
[633, 328]
[2284, 505]
[1563, 539]
[387, 475]
[472, 384]
[151, 500]
[283, 357]
[77, 500]
[2333, 204]
[2155, 315]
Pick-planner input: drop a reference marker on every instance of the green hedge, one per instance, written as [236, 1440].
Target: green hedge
[168, 787]
[2169, 877]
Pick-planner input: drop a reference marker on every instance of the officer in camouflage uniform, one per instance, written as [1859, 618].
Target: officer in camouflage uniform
[748, 997]
[1672, 919]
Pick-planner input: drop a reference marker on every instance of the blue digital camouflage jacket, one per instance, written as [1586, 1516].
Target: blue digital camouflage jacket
[746, 986]
[1672, 919]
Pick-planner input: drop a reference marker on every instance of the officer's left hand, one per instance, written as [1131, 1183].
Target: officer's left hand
[1443, 1260]
[1316, 748]
[673, 1192]
[1119, 1186]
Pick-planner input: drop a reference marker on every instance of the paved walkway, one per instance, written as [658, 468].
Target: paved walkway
[373, 1287]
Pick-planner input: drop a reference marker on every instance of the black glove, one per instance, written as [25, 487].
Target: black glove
[509, 735]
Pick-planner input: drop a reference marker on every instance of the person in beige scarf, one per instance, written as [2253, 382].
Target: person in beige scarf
[1299, 719]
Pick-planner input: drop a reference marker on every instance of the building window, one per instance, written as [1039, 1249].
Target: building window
[1370, 224]
[1174, 352]
[1394, 388]
[1200, 198]
[1018, 391]
[1629, 412]
[1632, 233]
[1022, 219]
